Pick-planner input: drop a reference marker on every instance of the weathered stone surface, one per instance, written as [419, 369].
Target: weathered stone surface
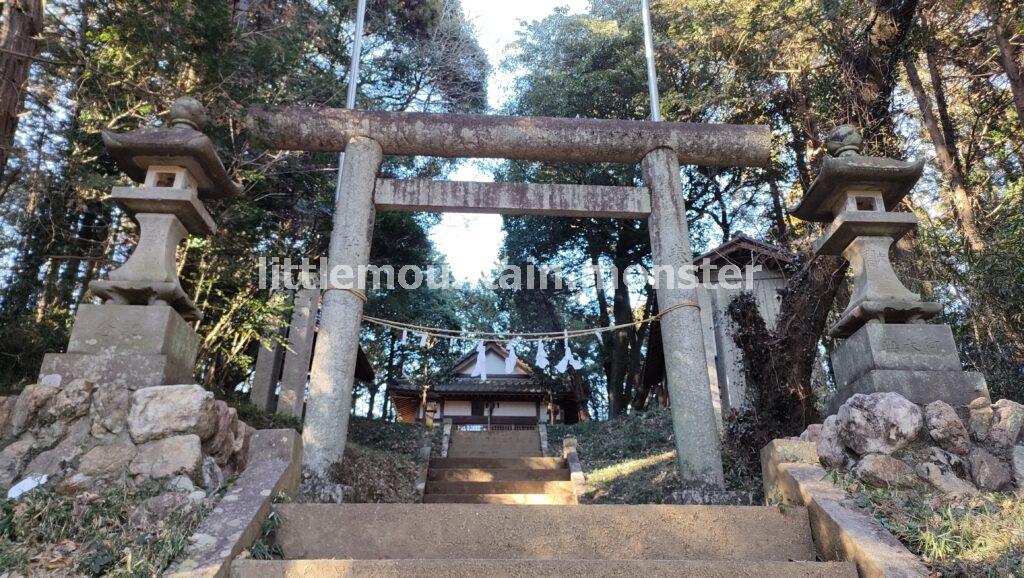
[981, 418]
[565, 200]
[212, 478]
[1017, 460]
[243, 442]
[508, 137]
[13, 460]
[880, 423]
[812, 433]
[167, 457]
[1007, 420]
[295, 371]
[154, 511]
[221, 444]
[694, 421]
[110, 406]
[71, 401]
[895, 346]
[53, 461]
[31, 400]
[988, 471]
[129, 345]
[108, 461]
[236, 520]
[48, 434]
[883, 470]
[181, 484]
[6, 409]
[830, 448]
[957, 388]
[943, 480]
[945, 427]
[168, 410]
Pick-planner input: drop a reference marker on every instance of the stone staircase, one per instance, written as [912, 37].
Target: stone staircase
[469, 540]
[498, 467]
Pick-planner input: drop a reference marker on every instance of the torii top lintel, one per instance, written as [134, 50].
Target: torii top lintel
[510, 137]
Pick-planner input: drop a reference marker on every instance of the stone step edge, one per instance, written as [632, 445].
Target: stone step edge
[248, 568]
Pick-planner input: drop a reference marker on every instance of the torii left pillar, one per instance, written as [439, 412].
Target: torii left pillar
[334, 359]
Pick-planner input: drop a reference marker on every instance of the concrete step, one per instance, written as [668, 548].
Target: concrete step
[495, 475]
[521, 499]
[562, 487]
[424, 568]
[542, 532]
[459, 452]
[498, 463]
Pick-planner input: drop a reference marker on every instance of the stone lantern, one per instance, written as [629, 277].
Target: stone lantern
[140, 335]
[885, 344]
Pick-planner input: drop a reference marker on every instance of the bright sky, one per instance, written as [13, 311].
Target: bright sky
[471, 242]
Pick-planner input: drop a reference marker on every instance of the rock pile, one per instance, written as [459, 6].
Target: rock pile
[884, 439]
[80, 435]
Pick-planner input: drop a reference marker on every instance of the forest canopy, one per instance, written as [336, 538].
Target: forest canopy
[939, 79]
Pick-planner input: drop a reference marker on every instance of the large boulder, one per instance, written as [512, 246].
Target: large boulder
[1017, 461]
[13, 460]
[221, 444]
[944, 480]
[169, 457]
[31, 400]
[980, 419]
[883, 470]
[108, 461]
[1007, 420]
[945, 427]
[988, 471]
[879, 423]
[110, 406]
[6, 409]
[169, 410]
[831, 451]
[54, 461]
[71, 401]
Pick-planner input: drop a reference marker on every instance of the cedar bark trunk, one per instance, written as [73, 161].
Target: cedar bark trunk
[22, 21]
[948, 159]
[1008, 60]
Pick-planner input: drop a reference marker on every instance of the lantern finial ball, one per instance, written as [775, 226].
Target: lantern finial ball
[187, 111]
[844, 140]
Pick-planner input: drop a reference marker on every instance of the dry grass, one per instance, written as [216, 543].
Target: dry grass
[632, 459]
[980, 535]
[45, 533]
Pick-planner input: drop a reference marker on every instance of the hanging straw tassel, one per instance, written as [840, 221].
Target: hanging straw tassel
[542, 356]
[405, 335]
[423, 340]
[480, 369]
[510, 361]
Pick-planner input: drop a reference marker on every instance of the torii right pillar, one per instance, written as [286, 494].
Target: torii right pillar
[885, 343]
[694, 420]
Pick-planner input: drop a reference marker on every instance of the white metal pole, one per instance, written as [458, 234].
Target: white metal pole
[353, 82]
[652, 74]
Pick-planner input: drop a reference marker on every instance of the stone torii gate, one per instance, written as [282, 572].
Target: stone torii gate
[660, 147]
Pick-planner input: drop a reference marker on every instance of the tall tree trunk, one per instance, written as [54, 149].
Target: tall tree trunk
[618, 356]
[1008, 60]
[22, 21]
[947, 155]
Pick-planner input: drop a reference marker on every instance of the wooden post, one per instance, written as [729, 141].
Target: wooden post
[334, 360]
[686, 370]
